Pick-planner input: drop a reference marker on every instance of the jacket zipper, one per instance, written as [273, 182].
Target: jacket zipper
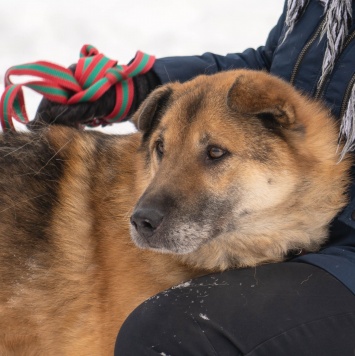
[346, 97]
[348, 89]
[304, 51]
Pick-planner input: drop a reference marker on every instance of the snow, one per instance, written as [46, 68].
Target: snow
[182, 285]
[204, 317]
[56, 30]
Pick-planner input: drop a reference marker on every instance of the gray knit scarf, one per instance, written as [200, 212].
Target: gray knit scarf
[338, 19]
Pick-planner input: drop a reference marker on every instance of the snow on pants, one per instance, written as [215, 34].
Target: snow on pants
[274, 310]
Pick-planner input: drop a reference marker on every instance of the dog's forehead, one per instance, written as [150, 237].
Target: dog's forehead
[191, 102]
[196, 123]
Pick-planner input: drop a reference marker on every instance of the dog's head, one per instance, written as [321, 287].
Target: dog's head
[235, 162]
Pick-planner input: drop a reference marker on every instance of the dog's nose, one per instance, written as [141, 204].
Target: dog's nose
[146, 221]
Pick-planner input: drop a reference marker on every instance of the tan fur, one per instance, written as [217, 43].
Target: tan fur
[271, 194]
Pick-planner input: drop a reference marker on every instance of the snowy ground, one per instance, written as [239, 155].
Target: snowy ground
[55, 30]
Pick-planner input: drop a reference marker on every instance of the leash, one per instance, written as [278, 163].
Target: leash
[93, 76]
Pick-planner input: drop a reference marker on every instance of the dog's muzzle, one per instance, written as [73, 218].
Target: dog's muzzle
[146, 221]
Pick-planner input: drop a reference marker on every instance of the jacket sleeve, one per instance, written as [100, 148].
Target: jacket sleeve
[185, 68]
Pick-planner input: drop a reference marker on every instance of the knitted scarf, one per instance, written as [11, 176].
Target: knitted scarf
[338, 19]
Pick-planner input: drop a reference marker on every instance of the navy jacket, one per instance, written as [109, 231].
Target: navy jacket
[298, 59]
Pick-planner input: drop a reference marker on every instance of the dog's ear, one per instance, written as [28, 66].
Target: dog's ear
[152, 109]
[263, 97]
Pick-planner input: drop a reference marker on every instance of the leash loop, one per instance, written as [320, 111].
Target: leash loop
[93, 76]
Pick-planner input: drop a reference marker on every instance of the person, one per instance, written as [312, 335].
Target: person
[305, 306]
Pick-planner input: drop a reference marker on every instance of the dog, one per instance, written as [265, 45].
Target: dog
[230, 170]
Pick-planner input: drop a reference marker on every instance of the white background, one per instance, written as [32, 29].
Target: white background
[55, 30]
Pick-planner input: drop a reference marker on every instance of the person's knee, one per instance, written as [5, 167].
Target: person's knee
[138, 331]
[164, 325]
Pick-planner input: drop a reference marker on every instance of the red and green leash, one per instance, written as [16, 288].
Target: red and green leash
[94, 75]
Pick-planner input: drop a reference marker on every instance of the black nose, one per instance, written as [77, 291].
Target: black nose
[146, 221]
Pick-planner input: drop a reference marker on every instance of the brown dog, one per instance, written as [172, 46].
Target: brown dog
[231, 170]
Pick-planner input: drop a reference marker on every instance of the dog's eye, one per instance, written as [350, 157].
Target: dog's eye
[159, 147]
[214, 152]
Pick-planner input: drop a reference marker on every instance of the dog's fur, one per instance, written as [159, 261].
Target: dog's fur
[231, 170]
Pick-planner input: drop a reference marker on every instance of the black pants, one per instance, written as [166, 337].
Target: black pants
[278, 309]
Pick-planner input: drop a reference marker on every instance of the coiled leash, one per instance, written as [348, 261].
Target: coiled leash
[93, 76]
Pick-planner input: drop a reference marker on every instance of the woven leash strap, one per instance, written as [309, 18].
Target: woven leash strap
[94, 75]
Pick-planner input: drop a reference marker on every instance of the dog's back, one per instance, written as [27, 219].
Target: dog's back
[50, 281]
[26, 206]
